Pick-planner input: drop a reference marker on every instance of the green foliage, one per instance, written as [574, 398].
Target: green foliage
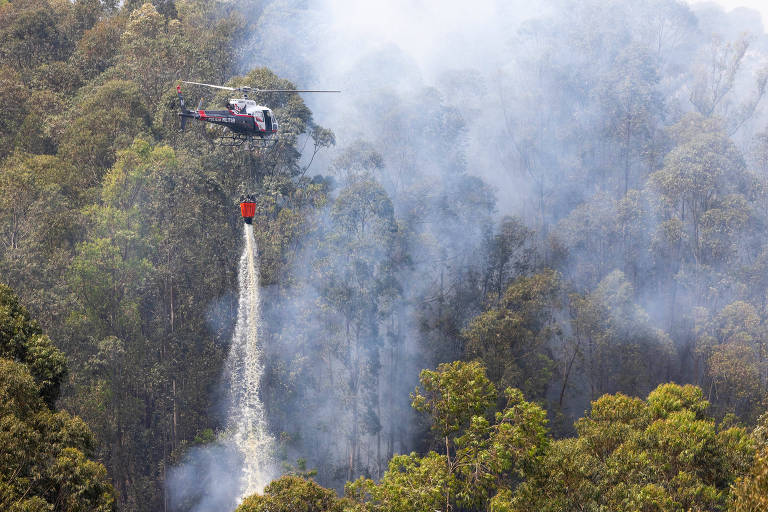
[631, 454]
[488, 456]
[491, 457]
[733, 348]
[513, 339]
[156, 51]
[111, 116]
[452, 395]
[43, 465]
[13, 99]
[619, 348]
[22, 340]
[37, 194]
[97, 49]
[43, 454]
[411, 484]
[300, 469]
[292, 494]
[750, 491]
[31, 34]
[703, 172]
[136, 285]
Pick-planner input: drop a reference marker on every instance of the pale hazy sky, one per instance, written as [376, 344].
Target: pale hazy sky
[759, 5]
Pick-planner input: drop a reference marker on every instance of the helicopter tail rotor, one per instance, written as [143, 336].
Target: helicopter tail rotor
[184, 114]
[183, 118]
[181, 98]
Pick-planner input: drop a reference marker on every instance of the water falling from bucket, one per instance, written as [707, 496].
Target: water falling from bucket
[246, 422]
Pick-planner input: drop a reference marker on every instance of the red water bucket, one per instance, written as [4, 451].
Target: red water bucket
[248, 210]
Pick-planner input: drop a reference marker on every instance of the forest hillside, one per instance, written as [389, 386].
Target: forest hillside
[518, 264]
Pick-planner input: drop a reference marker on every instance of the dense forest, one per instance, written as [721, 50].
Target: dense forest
[527, 271]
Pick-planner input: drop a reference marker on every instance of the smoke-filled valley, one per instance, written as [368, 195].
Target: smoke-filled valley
[519, 263]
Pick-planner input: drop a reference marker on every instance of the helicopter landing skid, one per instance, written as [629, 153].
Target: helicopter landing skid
[245, 142]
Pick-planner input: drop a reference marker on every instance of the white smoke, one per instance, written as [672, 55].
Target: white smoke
[382, 54]
[516, 85]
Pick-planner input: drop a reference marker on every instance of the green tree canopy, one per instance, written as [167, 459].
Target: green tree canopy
[43, 453]
[491, 452]
[662, 453]
[22, 340]
[43, 464]
[292, 494]
[513, 339]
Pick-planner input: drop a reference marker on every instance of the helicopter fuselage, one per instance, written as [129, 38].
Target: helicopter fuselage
[246, 118]
[246, 121]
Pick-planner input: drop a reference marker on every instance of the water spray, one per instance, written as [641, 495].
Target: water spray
[246, 420]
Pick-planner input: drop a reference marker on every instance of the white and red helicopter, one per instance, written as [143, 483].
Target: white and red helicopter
[246, 121]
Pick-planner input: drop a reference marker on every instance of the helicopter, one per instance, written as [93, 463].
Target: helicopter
[246, 122]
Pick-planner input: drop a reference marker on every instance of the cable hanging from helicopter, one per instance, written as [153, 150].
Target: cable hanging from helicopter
[245, 122]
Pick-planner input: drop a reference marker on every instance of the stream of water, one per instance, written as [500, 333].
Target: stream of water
[246, 422]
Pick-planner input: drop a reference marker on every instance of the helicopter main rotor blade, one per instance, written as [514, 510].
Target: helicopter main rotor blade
[214, 86]
[247, 89]
[288, 90]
